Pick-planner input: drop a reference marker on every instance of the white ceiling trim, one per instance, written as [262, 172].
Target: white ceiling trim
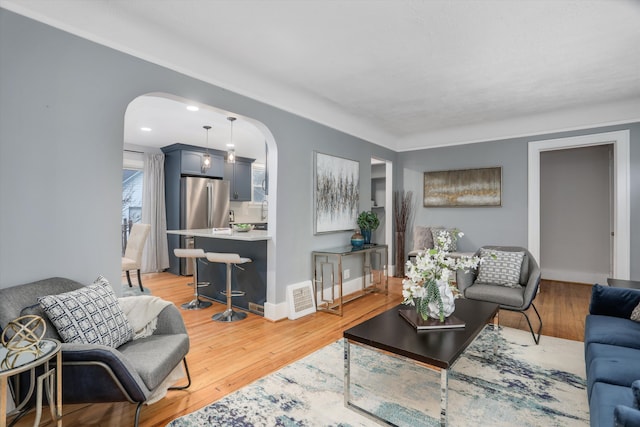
[551, 122]
[228, 75]
[414, 48]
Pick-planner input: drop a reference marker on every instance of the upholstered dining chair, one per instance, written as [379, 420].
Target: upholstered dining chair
[132, 258]
[489, 285]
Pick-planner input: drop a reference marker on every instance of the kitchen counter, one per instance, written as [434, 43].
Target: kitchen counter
[224, 233]
[251, 278]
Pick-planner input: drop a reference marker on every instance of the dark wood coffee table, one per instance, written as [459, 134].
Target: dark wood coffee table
[436, 350]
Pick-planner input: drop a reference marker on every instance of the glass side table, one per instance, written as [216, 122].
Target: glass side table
[328, 275]
[15, 362]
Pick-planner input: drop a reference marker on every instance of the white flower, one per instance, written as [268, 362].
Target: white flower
[432, 271]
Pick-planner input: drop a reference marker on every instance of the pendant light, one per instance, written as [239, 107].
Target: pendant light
[231, 152]
[206, 158]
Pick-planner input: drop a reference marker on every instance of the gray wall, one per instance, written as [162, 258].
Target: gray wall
[506, 224]
[496, 225]
[61, 138]
[575, 241]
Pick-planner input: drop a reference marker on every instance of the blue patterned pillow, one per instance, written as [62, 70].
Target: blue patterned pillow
[89, 315]
[500, 268]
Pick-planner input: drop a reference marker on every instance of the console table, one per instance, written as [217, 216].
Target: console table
[328, 275]
[15, 362]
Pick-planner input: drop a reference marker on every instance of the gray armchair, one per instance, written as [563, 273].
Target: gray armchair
[512, 299]
[94, 373]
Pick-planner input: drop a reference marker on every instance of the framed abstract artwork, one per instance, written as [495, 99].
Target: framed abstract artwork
[336, 193]
[467, 187]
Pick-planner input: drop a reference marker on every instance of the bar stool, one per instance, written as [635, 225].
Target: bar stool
[224, 258]
[194, 255]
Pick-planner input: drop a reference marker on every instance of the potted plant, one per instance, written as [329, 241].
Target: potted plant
[428, 284]
[367, 221]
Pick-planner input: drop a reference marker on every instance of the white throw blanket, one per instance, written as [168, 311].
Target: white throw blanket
[142, 312]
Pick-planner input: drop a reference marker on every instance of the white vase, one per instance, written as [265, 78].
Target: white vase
[448, 302]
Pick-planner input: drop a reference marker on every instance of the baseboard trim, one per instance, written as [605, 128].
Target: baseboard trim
[588, 277]
[277, 311]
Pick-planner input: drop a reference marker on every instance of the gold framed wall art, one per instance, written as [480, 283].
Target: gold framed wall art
[465, 187]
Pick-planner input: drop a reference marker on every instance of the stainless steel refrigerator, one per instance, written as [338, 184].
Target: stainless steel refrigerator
[204, 203]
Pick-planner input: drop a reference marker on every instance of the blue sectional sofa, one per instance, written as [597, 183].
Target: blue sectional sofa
[612, 357]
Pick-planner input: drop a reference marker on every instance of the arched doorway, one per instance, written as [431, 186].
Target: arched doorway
[170, 119]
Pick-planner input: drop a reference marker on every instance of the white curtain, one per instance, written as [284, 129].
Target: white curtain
[155, 256]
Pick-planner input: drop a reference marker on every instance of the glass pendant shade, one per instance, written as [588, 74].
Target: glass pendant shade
[206, 158]
[206, 161]
[231, 153]
[231, 156]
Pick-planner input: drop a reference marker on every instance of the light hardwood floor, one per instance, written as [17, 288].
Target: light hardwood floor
[225, 357]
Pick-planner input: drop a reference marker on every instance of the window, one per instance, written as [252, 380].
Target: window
[258, 183]
[131, 201]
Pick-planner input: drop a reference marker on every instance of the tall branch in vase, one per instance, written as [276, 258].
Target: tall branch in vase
[402, 206]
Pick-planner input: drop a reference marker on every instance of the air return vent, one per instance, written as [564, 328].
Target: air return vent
[301, 300]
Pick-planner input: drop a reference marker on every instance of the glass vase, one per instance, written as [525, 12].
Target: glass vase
[367, 236]
[430, 307]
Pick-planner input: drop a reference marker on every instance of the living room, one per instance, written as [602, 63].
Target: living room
[63, 103]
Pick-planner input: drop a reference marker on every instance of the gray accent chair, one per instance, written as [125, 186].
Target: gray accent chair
[94, 373]
[512, 299]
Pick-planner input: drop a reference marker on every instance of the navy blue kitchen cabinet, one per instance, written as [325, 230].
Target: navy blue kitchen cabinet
[239, 175]
[191, 164]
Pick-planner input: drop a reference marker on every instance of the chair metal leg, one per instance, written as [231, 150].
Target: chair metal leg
[182, 387]
[536, 339]
[229, 315]
[196, 303]
[129, 279]
[140, 282]
[136, 420]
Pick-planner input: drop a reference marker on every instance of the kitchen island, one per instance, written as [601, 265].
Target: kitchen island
[250, 278]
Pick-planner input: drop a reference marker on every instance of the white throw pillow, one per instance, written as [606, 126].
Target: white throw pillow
[90, 315]
[500, 268]
[635, 314]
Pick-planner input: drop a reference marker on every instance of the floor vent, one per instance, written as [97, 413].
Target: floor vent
[256, 308]
[301, 301]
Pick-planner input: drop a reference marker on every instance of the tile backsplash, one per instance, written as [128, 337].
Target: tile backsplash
[246, 212]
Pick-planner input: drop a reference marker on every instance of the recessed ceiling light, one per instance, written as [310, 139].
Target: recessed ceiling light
[192, 108]
[231, 145]
[145, 129]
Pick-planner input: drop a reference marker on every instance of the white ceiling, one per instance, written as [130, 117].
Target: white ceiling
[401, 73]
[170, 122]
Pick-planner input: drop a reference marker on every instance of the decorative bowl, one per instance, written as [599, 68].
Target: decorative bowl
[243, 227]
[357, 241]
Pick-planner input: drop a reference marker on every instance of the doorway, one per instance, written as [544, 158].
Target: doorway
[382, 202]
[575, 214]
[621, 192]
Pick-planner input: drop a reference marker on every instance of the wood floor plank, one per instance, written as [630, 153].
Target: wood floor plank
[227, 356]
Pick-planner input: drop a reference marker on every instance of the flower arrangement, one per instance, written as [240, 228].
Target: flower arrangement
[428, 283]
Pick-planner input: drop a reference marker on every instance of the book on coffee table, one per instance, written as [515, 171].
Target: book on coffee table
[411, 316]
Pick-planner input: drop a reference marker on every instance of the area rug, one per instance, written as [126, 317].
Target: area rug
[502, 379]
[134, 291]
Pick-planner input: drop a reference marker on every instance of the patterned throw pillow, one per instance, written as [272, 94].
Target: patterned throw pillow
[500, 268]
[435, 232]
[635, 314]
[90, 315]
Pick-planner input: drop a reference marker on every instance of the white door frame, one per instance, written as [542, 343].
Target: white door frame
[388, 215]
[622, 214]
